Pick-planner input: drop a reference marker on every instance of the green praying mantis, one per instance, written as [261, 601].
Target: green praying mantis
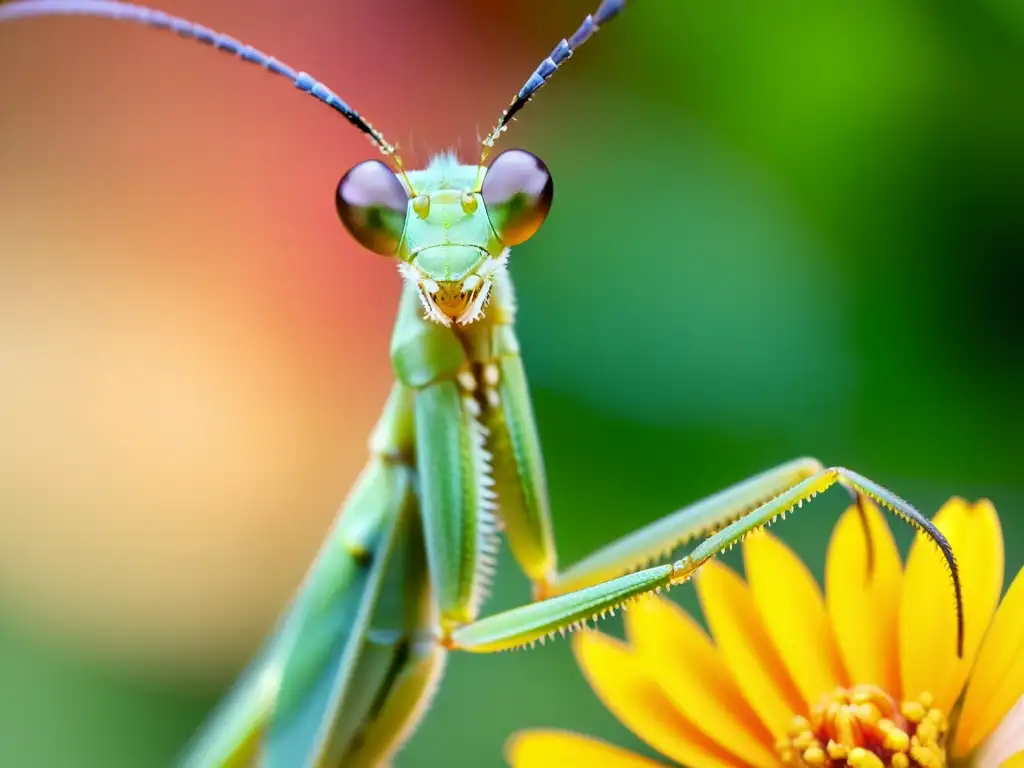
[455, 459]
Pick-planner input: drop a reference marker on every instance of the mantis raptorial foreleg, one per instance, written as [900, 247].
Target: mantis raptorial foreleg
[537, 621]
[517, 454]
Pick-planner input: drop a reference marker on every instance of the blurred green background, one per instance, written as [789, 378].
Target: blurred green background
[780, 229]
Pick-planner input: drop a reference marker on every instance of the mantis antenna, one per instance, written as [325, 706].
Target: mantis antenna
[119, 11]
[607, 11]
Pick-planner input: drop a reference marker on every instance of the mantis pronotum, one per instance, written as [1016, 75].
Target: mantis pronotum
[455, 458]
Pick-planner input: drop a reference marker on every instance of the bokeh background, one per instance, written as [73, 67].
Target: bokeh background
[780, 229]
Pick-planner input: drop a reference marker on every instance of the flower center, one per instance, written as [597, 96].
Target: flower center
[864, 727]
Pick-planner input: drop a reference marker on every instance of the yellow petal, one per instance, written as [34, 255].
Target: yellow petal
[865, 611]
[744, 644]
[791, 605]
[544, 748]
[1016, 761]
[997, 680]
[621, 682]
[928, 660]
[691, 673]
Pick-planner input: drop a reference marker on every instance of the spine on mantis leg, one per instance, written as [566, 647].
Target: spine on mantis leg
[457, 500]
[519, 472]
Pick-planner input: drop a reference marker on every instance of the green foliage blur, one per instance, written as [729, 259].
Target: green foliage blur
[779, 229]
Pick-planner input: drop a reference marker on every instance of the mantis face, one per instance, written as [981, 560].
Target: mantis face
[450, 232]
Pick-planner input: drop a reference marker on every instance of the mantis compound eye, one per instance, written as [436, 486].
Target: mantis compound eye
[372, 204]
[517, 191]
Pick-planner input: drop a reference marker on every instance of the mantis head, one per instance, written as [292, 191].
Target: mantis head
[450, 225]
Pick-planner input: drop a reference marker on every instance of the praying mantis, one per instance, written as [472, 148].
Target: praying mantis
[455, 459]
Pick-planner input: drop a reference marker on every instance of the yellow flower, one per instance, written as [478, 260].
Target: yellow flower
[867, 675]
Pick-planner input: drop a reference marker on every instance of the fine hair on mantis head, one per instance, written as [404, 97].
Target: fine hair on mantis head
[455, 457]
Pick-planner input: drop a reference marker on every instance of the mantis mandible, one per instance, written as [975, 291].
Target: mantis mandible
[455, 458]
